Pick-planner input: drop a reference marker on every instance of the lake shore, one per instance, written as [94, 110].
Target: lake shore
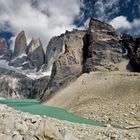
[16, 124]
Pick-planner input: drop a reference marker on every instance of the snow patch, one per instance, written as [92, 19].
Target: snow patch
[1, 56]
[29, 73]
[19, 57]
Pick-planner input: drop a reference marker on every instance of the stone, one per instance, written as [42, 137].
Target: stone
[19, 55]
[102, 49]
[135, 60]
[14, 85]
[5, 137]
[3, 43]
[77, 52]
[22, 127]
[5, 52]
[8, 122]
[17, 137]
[20, 44]
[46, 131]
[54, 49]
[66, 60]
[36, 53]
[70, 137]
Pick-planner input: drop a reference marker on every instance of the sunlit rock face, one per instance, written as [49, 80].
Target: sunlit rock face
[36, 53]
[102, 49]
[20, 44]
[67, 60]
[99, 48]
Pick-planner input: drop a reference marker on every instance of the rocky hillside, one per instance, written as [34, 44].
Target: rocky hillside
[99, 48]
[111, 97]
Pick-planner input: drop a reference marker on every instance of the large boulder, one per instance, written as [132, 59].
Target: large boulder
[46, 131]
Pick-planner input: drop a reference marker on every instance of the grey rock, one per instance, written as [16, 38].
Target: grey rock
[19, 55]
[69, 136]
[135, 57]
[20, 45]
[46, 131]
[5, 52]
[102, 49]
[36, 52]
[18, 62]
[77, 52]
[21, 127]
[17, 86]
[66, 58]
[54, 49]
[17, 137]
[5, 137]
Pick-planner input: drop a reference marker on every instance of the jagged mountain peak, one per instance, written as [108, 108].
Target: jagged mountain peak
[20, 44]
[35, 43]
[96, 25]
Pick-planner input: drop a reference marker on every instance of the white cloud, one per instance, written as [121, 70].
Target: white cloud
[105, 9]
[40, 18]
[120, 22]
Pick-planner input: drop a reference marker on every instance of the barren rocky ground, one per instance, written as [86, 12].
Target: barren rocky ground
[112, 97]
[16, 125]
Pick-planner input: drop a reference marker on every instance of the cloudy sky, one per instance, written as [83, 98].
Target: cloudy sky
[46, 18]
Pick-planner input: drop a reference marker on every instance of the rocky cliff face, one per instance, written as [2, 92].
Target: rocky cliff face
[102, 49]
[20, 45]
[67, 57]
[18, 86]
[135, 58]
[36, 53]
[5, 53]
[99, 48]
[19, 70]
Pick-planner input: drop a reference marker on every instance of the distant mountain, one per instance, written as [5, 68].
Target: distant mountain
[98, 48]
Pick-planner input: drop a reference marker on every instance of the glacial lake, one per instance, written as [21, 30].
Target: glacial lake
[34, 107]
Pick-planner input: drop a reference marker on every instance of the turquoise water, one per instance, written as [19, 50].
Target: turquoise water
[34, 107]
